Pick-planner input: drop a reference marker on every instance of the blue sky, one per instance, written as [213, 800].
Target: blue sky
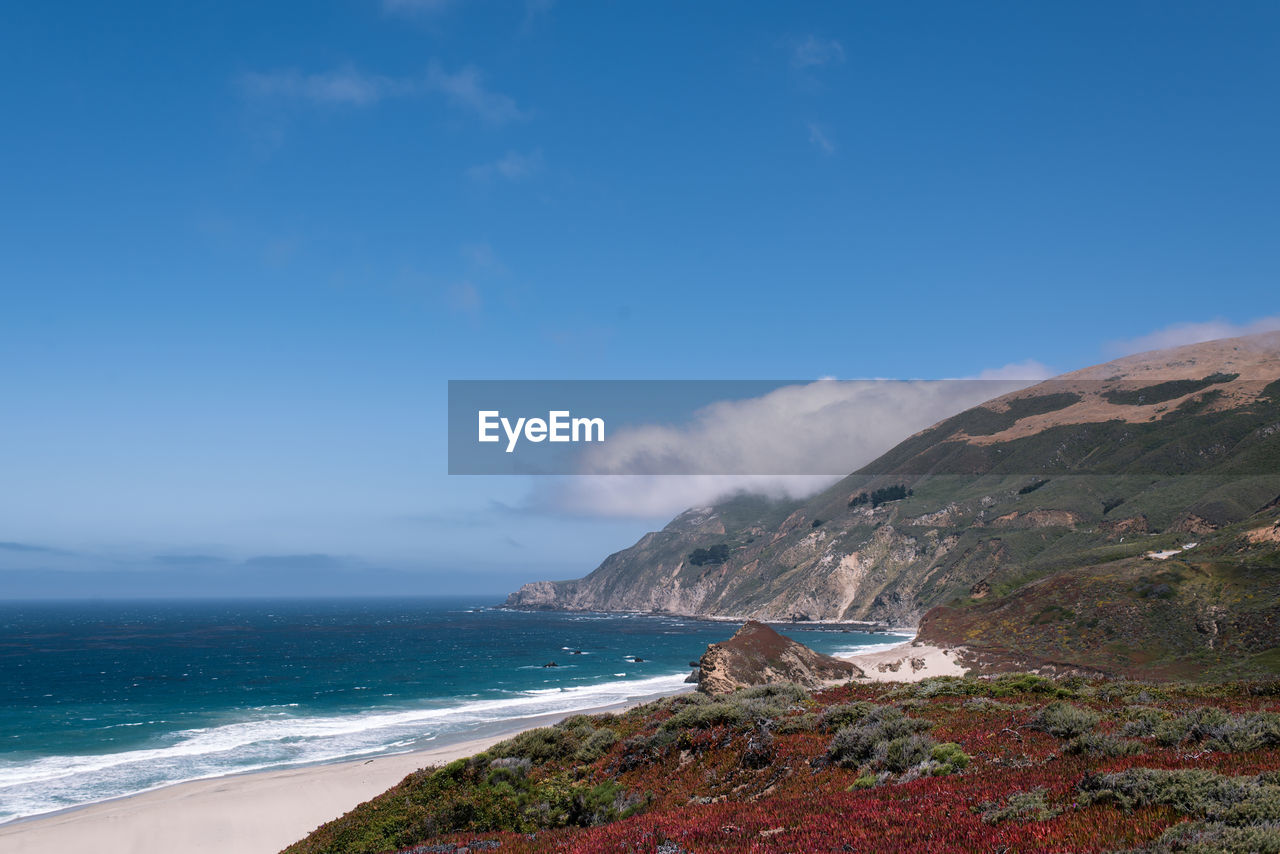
[246, 245]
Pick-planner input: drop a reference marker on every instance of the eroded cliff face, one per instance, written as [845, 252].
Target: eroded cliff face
[795, 572]
[1102, 464]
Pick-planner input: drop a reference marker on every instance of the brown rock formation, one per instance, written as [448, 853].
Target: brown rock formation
[757, 655]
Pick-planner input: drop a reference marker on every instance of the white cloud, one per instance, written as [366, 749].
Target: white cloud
[819, 138]
[792, 441]
[812, 51]
[1180, 334]
[513, 166]
[345, 85]
[661, 496]
[465, 89]
[1029, 369]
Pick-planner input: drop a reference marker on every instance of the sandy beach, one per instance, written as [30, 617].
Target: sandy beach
[262, 812]
[249, 813]
[908, 662]
[255, 813]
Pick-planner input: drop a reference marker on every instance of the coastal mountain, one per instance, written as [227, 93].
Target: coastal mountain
[1027, 521]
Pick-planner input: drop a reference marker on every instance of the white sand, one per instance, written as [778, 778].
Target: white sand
[256, 813]
[909, 662]
[241, 814]
[263, 812]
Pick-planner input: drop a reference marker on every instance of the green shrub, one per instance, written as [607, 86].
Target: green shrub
[1008, 685]
[807, 722]
[507, 770]
[986, 704]
[596, 745]
[1215, 729]
[600, 804]
[1065, 720]
[1256, 731]
[538, 745]
[1193, 791]
[1020, 806]
[948, 758]
[453, 770]
[1142, 721]
[707, 715]
[760, 709]
[869, 740]
[744, 706]
[885, 494]
[1194, 726]
[1102, 744]
[1195, 837]
[845, 714]
[1234, 814]
[941, 686]
[1027, 683]
[564, 740]
[640, 749]
[769, 702]
[714, 556]
[907, 751]
[789, 691]
[1131, 692]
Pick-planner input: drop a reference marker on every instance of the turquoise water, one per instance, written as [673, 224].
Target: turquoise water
[108, 699]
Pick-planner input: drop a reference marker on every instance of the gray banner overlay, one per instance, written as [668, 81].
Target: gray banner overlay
[1220, 424]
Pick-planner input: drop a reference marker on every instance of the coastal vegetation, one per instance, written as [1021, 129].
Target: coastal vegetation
[883, 495]
[713, 555]
[1016, 762]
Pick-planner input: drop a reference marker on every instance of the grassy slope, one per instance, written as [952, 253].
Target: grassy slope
[861, 767]
[1208, 613]
[1117, 489]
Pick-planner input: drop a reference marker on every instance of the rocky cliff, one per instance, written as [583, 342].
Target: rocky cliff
[1093, 468]
[758, 655]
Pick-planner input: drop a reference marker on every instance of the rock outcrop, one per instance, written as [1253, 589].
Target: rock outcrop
[757, 655]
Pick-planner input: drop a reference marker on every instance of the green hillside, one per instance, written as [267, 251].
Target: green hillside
[1006, 514]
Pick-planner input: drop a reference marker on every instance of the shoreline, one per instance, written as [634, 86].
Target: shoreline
[262, 811]
[251, 812]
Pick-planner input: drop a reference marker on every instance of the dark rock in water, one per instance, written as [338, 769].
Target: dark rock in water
[637, 660]
[575, 652]
[693, 664]
[550, 664]
[757, 655]
[693, 677]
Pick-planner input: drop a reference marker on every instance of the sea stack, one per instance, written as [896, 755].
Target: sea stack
[757, 655]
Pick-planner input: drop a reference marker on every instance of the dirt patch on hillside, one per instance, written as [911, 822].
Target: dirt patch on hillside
[1251, 363]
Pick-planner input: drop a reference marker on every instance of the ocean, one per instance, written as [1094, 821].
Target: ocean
[105, 699]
